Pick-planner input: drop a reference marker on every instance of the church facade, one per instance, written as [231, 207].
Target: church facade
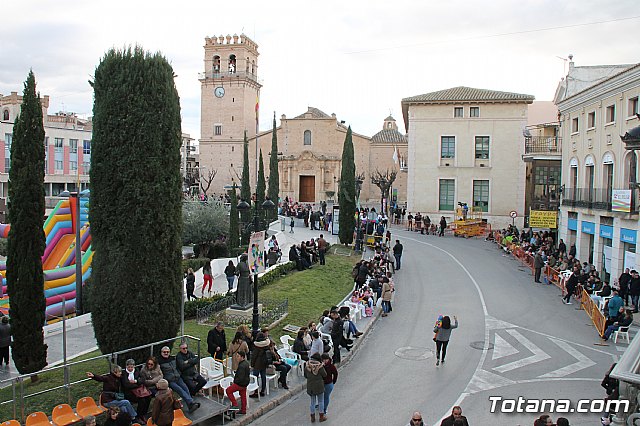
[309, 144]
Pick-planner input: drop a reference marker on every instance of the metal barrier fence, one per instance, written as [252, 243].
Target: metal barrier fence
[555, 277]
[203, 314]
[64, 377]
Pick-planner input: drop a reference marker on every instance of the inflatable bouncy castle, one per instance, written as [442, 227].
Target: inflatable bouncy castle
[59, 259]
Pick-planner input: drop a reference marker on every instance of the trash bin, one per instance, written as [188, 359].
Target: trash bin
[283, 224]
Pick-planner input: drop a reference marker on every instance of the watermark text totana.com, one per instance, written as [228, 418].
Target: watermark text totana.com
[523, 405]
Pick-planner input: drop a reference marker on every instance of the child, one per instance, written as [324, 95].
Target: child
[368, 307]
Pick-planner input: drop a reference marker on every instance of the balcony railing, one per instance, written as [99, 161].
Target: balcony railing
[227, 76]
[543, 145]
[596, 198]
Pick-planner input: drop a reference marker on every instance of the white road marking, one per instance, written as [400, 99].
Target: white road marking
[485, 380]
[538, 354]
[502, 348]
[583, 361]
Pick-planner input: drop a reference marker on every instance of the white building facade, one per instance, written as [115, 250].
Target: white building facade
[466, 145]
[596, 166]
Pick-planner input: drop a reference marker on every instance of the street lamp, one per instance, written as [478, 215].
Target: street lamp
[74, 197]
[266, 206]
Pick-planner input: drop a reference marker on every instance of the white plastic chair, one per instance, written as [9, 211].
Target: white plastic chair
[253, 385]
[224, 384]
[603, 301]
[352, 312]
[355, 309]
[285, 341]
[623, 332]
[294, 359]
[273, 377]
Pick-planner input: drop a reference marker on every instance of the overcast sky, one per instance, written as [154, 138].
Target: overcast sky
[355, 58]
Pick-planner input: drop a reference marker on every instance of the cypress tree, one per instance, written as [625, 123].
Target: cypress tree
[136, 206]
[347, 192]
[274, 173]
[26, 241]
[234, 231]
[245, 187]
[261, 186]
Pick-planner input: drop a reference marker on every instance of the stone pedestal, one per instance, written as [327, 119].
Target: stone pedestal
[241, 312]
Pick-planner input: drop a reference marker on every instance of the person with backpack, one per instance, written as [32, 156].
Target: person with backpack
[443, 334]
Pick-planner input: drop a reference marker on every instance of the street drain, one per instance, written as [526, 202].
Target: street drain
[481, 345]
[414, 353]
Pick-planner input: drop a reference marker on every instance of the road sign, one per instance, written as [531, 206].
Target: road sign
[513, 214]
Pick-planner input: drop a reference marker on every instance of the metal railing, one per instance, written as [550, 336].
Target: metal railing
[595, 198]
[227, 76]
[65, 383]
[543, 145]
[204, 314]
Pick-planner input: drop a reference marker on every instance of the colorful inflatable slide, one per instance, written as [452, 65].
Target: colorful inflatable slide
[59, 260]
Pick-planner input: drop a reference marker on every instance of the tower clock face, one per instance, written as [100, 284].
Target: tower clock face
[219, 91]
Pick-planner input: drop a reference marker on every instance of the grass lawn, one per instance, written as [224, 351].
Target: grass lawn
[309, 293]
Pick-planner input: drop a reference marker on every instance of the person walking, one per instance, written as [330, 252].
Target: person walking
[5, 340]
[416, 419]
[315, 374]
[230, 273]
[571, 285]
[208, 277]
[397, 253]
[443, 226]
[330, 380]
[191, 284]
[386, 297]
[538, 263]
[240, 383]
[623, 282]
[291, 225]
[322, 249]
[443, 334]
[456, 416]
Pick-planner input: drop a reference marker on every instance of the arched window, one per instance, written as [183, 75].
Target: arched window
[232, 64]
[253, 67]
[590, 176]
[216, 64]
[307, 137]
[248, 64]
[5, 115]
[607, 174]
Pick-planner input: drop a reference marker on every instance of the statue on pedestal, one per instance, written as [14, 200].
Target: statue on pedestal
[244, 293]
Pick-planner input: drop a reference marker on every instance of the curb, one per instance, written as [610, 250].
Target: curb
[264, 409]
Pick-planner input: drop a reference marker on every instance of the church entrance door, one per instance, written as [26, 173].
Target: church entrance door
[307, 189]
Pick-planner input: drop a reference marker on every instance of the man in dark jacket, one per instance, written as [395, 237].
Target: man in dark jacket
[187, 363]
[217, 342]
[171, 374]
[623, 281]
[634, 290]
[337, 334]
[456, 415]
[240, 383]
[571, 285]
[538, 263]
[397, 253]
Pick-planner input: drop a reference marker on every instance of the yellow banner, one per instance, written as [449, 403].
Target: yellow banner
[543, 219]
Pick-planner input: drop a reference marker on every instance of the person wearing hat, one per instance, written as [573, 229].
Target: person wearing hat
[5, 340]
[315, 373]
[163, 406]
[259, 362]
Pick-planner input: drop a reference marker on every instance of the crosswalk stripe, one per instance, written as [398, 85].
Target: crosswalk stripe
[583, 361]
[538, 354]
[502, 348]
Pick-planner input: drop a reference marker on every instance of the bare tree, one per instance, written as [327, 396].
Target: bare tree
[384, 181]
[207, 179]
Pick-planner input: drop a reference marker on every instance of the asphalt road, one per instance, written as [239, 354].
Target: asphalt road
[516, 338]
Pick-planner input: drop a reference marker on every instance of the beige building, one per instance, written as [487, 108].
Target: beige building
[597, 105]
[466, 145]
[310, 157]
[309, 145]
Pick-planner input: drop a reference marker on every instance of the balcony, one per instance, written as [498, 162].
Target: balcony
[596, 198]
[226, 76]
[543, 145]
